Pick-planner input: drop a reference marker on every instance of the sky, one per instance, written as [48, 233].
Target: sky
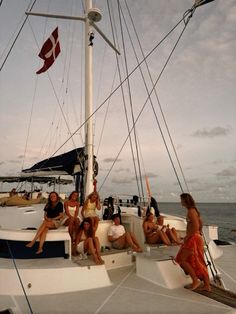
[196, 92]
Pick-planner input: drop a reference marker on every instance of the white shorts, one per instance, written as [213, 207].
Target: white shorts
[80, 247]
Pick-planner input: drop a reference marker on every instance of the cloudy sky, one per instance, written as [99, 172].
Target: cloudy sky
[196, 92]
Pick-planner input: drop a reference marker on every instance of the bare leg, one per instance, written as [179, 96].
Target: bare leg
[70, 229]
[188, 268]
[42, 240]
[173, 236]
[38, 234]
[130, 241]
[89, 244]
[135, 242]
[95, 223]
[164, 238]
[97, 247]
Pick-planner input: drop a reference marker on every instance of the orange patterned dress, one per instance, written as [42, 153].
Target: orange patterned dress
[196, 259]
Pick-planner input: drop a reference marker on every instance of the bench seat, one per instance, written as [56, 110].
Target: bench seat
[60, 234]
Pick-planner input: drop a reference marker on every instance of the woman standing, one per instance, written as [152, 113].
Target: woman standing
[191, 254]
[86, 242]
[72, 209]
[53, 219]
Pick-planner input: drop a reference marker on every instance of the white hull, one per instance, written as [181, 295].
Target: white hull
[116, 287]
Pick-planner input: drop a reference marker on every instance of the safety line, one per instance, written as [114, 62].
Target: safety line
[114, 291]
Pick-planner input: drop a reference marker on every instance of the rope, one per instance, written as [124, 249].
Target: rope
[19, 277]
[18, 34]
[131, 106]
[158, 100]
[211, 264]
[148, 98]
[119, 85]
[124, 102]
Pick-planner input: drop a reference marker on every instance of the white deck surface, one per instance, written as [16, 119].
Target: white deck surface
[130, 294]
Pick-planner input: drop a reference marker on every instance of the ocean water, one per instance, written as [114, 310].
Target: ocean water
[221, 214]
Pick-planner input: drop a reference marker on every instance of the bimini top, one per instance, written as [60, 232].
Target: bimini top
[70, 163]
[32, 178]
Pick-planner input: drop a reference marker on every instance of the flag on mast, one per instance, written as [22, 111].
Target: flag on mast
[50, 51]
[148, 188]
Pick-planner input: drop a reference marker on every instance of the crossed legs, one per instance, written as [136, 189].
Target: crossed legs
[41, 235]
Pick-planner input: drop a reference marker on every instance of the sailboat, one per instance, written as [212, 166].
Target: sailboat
[147, 282]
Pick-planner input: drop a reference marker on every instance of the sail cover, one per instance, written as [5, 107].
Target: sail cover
[70, 163]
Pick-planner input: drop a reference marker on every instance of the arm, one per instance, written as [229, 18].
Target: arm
[78, 237]
[98, 203]
[84, 208]
[77, 210]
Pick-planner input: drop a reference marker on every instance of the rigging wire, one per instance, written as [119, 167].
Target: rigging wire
[106, 114]
[19, 277]
[162, 113]
[131, 107]
[120, 84]
[124, 102]
[17, 36]
[157, 80]
[57, 98]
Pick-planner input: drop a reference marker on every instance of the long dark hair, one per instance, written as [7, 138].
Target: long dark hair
[190, 203]
[90, 231]
[69, 198]
[49, 202]
[188, 200]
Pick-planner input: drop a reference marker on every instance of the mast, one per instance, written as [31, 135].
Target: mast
[92, 15]
[88, 103]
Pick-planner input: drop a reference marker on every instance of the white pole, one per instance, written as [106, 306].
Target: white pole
[88, 104]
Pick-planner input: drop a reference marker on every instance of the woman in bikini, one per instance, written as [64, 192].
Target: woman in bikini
[152, 232]
[191, 254]
[72, 209]
[86, 242]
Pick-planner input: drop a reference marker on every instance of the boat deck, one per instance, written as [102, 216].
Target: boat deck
[131, 294]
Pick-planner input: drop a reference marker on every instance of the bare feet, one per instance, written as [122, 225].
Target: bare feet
[96, 260]
[101, 260]
[196, 284]
[137, 249]
[204, 288]
[39, 251]
[30, 244]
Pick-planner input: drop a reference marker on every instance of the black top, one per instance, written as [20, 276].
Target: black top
[53, 212]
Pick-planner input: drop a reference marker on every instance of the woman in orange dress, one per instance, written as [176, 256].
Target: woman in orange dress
[191, 254]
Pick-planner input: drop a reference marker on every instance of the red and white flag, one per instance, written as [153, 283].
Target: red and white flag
[50, 50]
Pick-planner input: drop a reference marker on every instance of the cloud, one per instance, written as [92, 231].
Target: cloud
[111, 160]
[120, 180]
[214, 132]
[228, 172]
[122, 170]
[2, 163]
[14, 161]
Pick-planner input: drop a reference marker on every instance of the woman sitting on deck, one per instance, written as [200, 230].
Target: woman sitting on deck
[72, 209]
[53, 219]
[153, 233]
[86, 242]
[119, 238]
[170, 232]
